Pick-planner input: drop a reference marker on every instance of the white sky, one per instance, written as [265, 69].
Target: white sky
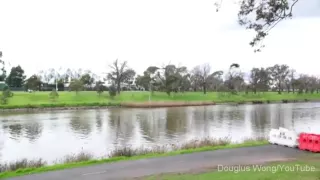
[90, 34]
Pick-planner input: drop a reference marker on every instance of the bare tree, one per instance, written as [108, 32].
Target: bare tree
[202, 73]
[120, 73]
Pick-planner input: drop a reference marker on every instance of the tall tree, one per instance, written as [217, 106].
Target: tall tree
[260, 79]
[120, 73]
[262, 16]
[33, 82]
[87, 80]
[169, 78]
[203, 72]
[215, 80]
[234, 79]
[16, 77]
[3, 72]
[76, 85]
[148, 79]
[279, 73]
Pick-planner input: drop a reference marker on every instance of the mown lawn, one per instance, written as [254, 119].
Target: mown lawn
[300, 170]
[92, 98]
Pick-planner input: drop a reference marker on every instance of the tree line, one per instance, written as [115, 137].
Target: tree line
[168, 78]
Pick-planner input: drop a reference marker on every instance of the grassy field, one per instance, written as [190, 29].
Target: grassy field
[24, 167]
[86, 98]
[302, 169]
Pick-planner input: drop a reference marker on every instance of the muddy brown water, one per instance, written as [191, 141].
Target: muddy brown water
[53, 134]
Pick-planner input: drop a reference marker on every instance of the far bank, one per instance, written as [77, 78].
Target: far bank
[91, 100]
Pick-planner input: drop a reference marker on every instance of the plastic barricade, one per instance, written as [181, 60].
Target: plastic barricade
[303, 141]
[290, 139]
[273, 136]
[310, 142]
[284, 137]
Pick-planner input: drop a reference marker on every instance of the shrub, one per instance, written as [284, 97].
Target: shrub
[99, 88]
[6, 94]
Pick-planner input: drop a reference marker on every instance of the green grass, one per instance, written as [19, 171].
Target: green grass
[289, 171]
[190, 149]
[86, 98]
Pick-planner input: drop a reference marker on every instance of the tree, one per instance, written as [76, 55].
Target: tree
[99, 87]
[120, 73]
[234, 79]
[215, 80]
[6, 94]
[290, 80]
[168, 78]
[2, 69]
[279, 73]
[148, 79]
[260, 79]
[16, 77]
[112, 91]
[76, 85]
[87, 79]
[33, 83]
[262, 16]
[202, 72]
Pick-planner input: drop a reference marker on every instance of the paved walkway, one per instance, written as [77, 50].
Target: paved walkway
[179, 163]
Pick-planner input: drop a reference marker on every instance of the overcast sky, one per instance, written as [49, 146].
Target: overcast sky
[90, 34]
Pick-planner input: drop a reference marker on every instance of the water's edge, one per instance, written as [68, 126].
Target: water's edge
[148, 105]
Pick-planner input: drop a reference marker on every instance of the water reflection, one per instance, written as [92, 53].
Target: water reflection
[51, 135]
[80, 125]
[33, 131]
[15, 131]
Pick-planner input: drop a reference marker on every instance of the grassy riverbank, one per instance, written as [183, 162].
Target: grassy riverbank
[140, 99]
[296, 169]
[24, 167]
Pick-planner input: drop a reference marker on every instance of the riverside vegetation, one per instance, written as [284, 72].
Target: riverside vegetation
[141, 99]
[25, 166]
[175, 85]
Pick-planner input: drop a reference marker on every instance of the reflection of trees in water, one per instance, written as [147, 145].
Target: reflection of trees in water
[149, 123]
[33, 130]
[79, 123]
[99, 120]
[1, 143]
[282, 115]
[234, 118]
[121, 121]
[260, 116]
[175, 121]
[202, 117]
[15, 131]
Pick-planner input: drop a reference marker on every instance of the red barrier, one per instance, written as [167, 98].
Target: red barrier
[303, 141]
[314, 139]
[310, 142]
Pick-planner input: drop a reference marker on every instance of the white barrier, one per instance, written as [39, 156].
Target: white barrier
[273, 136]
[283, 137]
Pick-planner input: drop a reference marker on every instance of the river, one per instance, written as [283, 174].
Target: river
[53, 134]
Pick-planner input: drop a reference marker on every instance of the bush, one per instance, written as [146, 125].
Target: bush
[112, 91]
[100, 88]
[6, 94]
